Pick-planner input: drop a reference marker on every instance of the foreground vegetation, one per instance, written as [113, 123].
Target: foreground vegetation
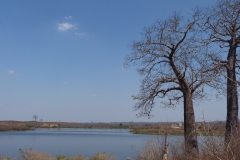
[210, 148]
[35, 155]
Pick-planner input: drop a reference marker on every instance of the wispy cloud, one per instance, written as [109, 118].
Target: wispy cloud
[11, 72]
[82, 34]
[68, 17]
[65, 26]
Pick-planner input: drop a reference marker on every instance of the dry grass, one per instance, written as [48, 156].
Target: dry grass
[16, 126]
[103, 156]
[211, 147]
[4, 158]
[35, 155]
[214, 148]
[153, 150]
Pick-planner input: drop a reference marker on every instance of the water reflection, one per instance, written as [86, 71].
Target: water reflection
[71, 142]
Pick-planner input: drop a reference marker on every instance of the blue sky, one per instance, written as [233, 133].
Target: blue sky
[63, 60]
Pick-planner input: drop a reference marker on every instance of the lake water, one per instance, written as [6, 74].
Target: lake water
[71, 142]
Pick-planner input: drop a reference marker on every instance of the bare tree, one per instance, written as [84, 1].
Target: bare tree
[35, 117]
[222, 23]
[171, 61]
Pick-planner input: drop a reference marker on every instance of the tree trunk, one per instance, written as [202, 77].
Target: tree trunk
[190, 135]
[232, 97]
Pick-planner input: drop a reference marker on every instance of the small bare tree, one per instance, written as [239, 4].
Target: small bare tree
[35, 117]
[222, 25]
[172, 60]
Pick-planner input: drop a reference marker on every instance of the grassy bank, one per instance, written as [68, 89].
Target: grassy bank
[30, 125]
[16, 126]
[157, 130]
[202, 128]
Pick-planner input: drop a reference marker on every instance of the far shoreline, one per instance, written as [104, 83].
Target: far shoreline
[148, 128]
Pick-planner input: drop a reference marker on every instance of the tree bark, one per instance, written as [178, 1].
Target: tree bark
[232, 97]
[190, 135]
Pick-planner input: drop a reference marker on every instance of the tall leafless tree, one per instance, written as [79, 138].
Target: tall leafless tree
[35, 117]
[222, 23]
[174, 68]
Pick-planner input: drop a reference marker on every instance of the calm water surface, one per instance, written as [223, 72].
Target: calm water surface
[71, 142]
